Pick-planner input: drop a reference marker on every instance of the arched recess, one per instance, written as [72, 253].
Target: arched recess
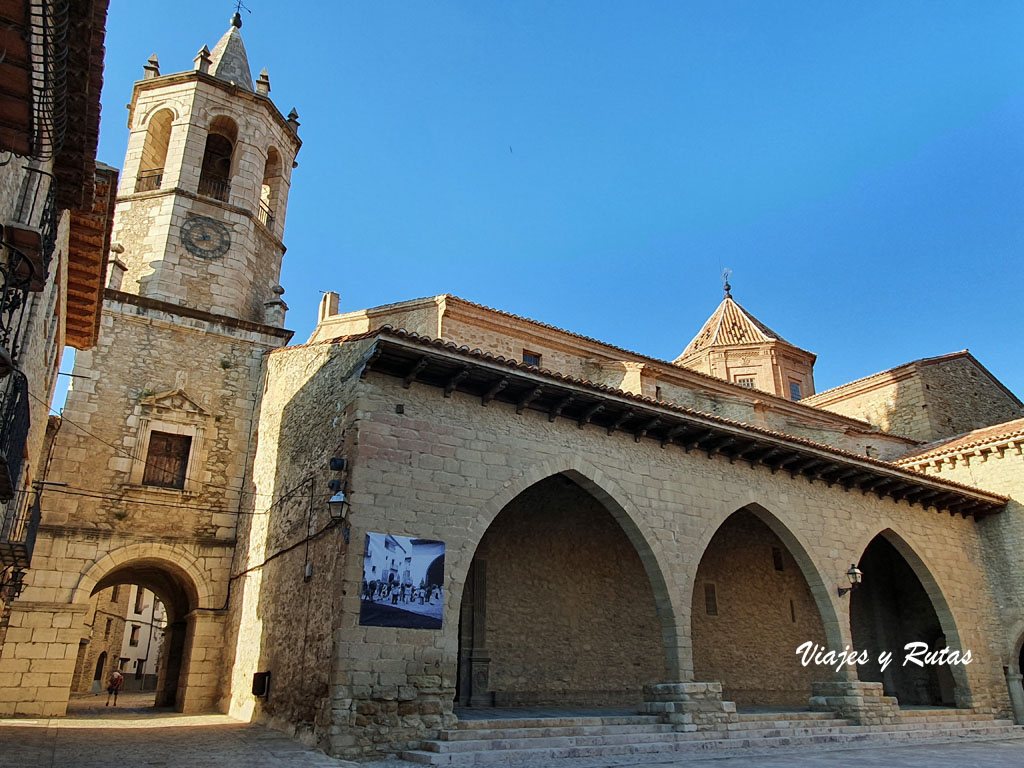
[218, 158]
[154, 151]
[558, 606]
[757, 596]
[174, 576]
[270, 189]
[898, 602]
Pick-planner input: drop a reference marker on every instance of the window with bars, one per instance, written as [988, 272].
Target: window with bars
[746, 381]
[167, 460]
[531, 358]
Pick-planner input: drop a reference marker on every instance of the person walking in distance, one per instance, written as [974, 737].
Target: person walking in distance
[114, 686]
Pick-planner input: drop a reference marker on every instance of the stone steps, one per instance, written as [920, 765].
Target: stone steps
[488, 742]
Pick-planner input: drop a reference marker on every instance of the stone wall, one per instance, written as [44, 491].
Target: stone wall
[570, 612]
[279, 621]
[962, 396]
[926, 400]
[762, 613]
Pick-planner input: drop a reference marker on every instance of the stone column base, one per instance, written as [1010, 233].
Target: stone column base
[863, 703]
[690, 706]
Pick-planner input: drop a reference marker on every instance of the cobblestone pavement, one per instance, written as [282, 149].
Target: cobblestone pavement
[137, 736]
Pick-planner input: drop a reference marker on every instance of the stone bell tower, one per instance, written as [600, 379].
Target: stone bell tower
[149, 467]
[204, 190]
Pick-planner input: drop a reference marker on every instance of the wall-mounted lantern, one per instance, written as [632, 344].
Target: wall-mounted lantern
[855, 575]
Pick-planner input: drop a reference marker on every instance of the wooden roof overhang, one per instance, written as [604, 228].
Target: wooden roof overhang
[450, 368]
[88, 245]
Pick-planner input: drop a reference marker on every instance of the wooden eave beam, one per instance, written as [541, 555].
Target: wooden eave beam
[697, 439]
[647, 427]
[493, 391]
[377, 351]
[716, 447]
[672, 433]
[528, 398]
[590, 413]
[621, 419]
[560, 406]
[410, 377]
[453, 382]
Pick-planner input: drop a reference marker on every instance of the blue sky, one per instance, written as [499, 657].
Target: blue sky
[859, 166]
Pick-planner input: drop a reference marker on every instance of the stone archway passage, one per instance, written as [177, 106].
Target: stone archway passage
[888, 610]
[558, 608]
[752, 607]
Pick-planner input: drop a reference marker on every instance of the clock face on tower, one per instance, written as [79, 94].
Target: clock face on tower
[205, 237]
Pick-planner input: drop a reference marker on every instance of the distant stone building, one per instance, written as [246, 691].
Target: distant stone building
[607, 528]
[99, 650]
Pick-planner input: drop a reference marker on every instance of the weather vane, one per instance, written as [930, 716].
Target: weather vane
[725, 281]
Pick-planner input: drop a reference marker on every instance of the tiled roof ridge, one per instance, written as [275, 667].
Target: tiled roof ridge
[953, 445]
[451, 346]
[919, 361]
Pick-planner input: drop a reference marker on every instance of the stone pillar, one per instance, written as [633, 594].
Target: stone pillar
[1013, 682]
[480, 694]
[863, 703]
[37, 659]
[199, 684]
[690, 706]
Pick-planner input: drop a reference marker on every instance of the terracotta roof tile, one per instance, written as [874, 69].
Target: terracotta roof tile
[976, 438]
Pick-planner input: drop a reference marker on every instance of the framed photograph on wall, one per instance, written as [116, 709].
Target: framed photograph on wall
[403, 582]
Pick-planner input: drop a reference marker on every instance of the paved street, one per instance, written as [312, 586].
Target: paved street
[136, 736]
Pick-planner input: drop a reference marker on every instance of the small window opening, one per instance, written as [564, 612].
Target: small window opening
[710, 600]
[114, 592]
[167, 460]
[133, 637]
[746, 382]
[106, 631]
[531, 358]
[792, 611]
[140, 595]
[657, 394]
[777, 558]
[794, 391]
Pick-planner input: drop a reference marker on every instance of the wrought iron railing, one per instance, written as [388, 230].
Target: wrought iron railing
[14, 424]
[37, 208]
[265, 215]
[149, 180]
[217, 188]
[48, 22]
[19, 529]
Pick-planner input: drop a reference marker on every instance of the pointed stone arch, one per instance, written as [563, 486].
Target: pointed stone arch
[936, 597]
[756, 594]
[835, 629]
[594, 513]
[603, 488]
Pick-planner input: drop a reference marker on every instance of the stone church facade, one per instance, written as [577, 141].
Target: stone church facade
[616, 530]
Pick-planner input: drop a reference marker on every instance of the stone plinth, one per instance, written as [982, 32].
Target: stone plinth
[863, 703]
[690, 706]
